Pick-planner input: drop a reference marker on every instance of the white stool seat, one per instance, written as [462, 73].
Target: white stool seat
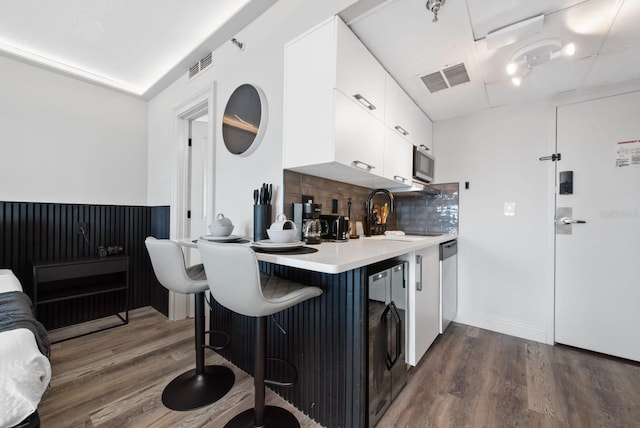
[236, 283]
[204, 384]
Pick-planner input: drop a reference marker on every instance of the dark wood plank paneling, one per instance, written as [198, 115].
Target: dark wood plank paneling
[46, 231]
[324, 340]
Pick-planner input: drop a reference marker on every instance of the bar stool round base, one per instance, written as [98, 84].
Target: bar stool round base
[190, 390]
[273, 417]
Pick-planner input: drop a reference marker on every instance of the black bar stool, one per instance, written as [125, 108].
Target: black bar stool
[236, 283]
[205, 384]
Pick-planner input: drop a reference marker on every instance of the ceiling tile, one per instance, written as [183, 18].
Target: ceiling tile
[491, 15]
[625, 31]
[453, 102]
[544, 81]
[411, 43]
[615, 67]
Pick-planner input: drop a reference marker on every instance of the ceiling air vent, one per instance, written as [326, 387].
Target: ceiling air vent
[194, 69]
[200, 65]
[446, 78]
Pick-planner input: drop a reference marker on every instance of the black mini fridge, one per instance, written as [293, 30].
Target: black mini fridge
[386, 316]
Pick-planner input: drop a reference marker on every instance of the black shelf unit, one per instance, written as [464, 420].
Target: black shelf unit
[61, 281]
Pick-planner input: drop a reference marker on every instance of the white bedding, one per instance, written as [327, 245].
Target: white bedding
[24, 371]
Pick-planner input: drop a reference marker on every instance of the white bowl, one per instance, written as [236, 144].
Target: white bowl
[216, 230]
[282, 236]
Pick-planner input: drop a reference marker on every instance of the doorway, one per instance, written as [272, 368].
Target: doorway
[192, 200]
[597, 241]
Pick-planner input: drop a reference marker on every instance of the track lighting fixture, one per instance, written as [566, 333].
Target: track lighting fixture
[531, 55]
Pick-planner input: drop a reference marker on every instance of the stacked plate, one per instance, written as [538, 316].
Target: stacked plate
[269, 245]
[230, 238]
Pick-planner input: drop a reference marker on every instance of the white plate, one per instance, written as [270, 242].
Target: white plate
[268, 243]
[230, 238]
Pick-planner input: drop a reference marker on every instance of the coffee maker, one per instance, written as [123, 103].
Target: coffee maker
[307, 219]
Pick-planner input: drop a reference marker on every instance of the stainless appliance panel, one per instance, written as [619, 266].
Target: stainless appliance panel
[448, 283]
[386, 353]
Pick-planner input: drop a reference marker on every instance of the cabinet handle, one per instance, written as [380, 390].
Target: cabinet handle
[401, 130]
[399, 178]
[398, 326]
[363, 165]
[365, 102]
[419, 279]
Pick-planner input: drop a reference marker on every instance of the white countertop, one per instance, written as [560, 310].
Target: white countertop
[337, 257]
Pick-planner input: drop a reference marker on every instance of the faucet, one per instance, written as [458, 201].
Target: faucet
[367, 208]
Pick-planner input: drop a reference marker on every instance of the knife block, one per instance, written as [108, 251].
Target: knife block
[261, 222]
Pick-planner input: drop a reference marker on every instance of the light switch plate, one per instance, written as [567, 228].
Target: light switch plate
[509, 208]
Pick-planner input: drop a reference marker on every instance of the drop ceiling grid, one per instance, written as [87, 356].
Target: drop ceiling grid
[416, 46]
[557, 26]
[490, 15]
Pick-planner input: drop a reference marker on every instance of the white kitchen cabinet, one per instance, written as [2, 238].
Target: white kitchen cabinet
[398, 154]
[334, 112]
[330, 56]
[423, 302]
[330, 136]
[405, 117]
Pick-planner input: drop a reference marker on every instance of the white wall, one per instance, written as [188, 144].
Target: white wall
[62, 140]
[501, 258]
[260, 63]
[506, 264]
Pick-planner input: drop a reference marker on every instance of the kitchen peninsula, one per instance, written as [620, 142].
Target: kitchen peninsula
[326, 338]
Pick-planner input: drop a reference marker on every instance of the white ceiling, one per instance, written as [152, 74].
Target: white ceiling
[401, 34]
[142, 46]
[134, 46]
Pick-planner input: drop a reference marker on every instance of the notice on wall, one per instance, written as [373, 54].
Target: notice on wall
[628, 153]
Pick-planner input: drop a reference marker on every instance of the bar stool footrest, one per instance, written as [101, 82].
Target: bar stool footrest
[218, 347]
[274, 417]
[291, 367]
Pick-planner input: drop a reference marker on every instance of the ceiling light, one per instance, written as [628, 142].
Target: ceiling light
[569, 49]
[534, 54]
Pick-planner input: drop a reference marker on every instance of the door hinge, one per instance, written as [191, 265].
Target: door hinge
[554, 157]
[189, 142]
[189, 214]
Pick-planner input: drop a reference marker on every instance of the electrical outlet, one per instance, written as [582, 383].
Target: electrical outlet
[82, 227]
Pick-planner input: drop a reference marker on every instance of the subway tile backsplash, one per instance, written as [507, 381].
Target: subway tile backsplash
[415, 215]
[422, 214]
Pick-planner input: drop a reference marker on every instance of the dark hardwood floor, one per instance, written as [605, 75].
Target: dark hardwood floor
[477, 378]
[470, 377]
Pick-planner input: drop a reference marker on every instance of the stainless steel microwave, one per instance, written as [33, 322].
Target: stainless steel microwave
[423, 164]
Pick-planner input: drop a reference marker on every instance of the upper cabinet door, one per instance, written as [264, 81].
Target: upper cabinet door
[404, 117]
[358, 74]
[359, 137]
[398, 154]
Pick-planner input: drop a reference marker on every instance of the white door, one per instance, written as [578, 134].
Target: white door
[598, 264]
[198, 189]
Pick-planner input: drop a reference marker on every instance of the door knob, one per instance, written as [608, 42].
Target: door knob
[569, 220]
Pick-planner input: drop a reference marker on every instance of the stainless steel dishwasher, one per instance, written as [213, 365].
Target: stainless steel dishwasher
[448, 283]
